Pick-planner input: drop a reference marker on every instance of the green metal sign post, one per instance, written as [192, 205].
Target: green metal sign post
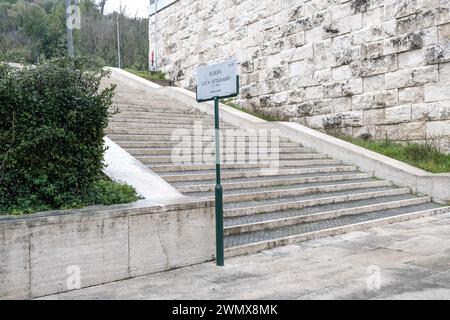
[213, 83]
[220, 251]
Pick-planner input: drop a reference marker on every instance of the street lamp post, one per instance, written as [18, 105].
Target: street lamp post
[69, 30]
[153, 66]
[118, 44]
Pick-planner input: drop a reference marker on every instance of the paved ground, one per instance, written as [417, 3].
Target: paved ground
[409, 260]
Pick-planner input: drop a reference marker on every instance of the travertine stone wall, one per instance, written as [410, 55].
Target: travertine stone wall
[377, 67]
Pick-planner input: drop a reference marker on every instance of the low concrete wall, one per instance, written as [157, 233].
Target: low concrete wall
[43, 254]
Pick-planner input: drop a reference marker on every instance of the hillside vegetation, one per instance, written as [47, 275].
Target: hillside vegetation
[31, 31]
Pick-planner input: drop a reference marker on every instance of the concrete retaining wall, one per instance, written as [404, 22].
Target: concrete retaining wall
[378, 67]
[44, 254]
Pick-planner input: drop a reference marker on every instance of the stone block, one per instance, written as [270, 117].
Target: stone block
[375, 100]
[410, 41]
[374, 117]
[411, 59]
[323, 106]
[375, 33]
[390, 131]
[418, 21]
[322, 76]
[342, 73]
[315, 122]
[411, 95]
[436, 129]
[296, 12]
[373, 83]
[412, 77]
[343, 25]
[344, 42]
[342, 104]
[444, 32]
[305, 109]
[438, 53]
[372, 50]
[344, 119]
[412, 131]
[344, 88]
[314, 93]
[434, 111]
[303, 67]
[373, 17]
[341, 10]
[370, 67]
[398, 114]
[444, 73]
[402, 8]
[436, 92]
[359, 6]
[297, 95]
[343, 57]
[300, 53]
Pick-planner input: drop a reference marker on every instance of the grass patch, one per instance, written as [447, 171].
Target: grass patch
[258, 114]
[151, 76]
[422, 156]
[105, 192]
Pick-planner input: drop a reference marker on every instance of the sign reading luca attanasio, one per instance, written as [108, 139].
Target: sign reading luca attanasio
[217, 81]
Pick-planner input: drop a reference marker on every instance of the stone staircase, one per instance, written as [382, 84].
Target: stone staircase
[310, 196]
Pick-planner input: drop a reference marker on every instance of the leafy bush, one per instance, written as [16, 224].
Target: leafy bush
[52, 123]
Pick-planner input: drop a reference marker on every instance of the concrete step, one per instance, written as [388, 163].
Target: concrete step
[187, 161]
[137, 111]
[285, 153]
[127, 123]
[133, 144]
[252, 242]
[282, 192]
[150, 120]
[208, 175]
[153, 100]
[157, 130]
[264, 206]
[162, 116]
[294, 217]
[167, 134]
[167, 138]
[209, 185]
[207, 169]
[171, 111]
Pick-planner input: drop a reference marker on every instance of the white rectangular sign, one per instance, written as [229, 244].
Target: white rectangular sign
[217, 80]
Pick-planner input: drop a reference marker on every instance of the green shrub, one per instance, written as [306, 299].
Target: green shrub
[52, 123]
[424, 156]
[151, 76]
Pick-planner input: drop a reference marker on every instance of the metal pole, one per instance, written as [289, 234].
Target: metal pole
[220, 256]
[118, 44]
[156, 32]
[70, 49]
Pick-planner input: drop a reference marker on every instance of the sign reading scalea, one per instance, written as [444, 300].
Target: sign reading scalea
[217, 81]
